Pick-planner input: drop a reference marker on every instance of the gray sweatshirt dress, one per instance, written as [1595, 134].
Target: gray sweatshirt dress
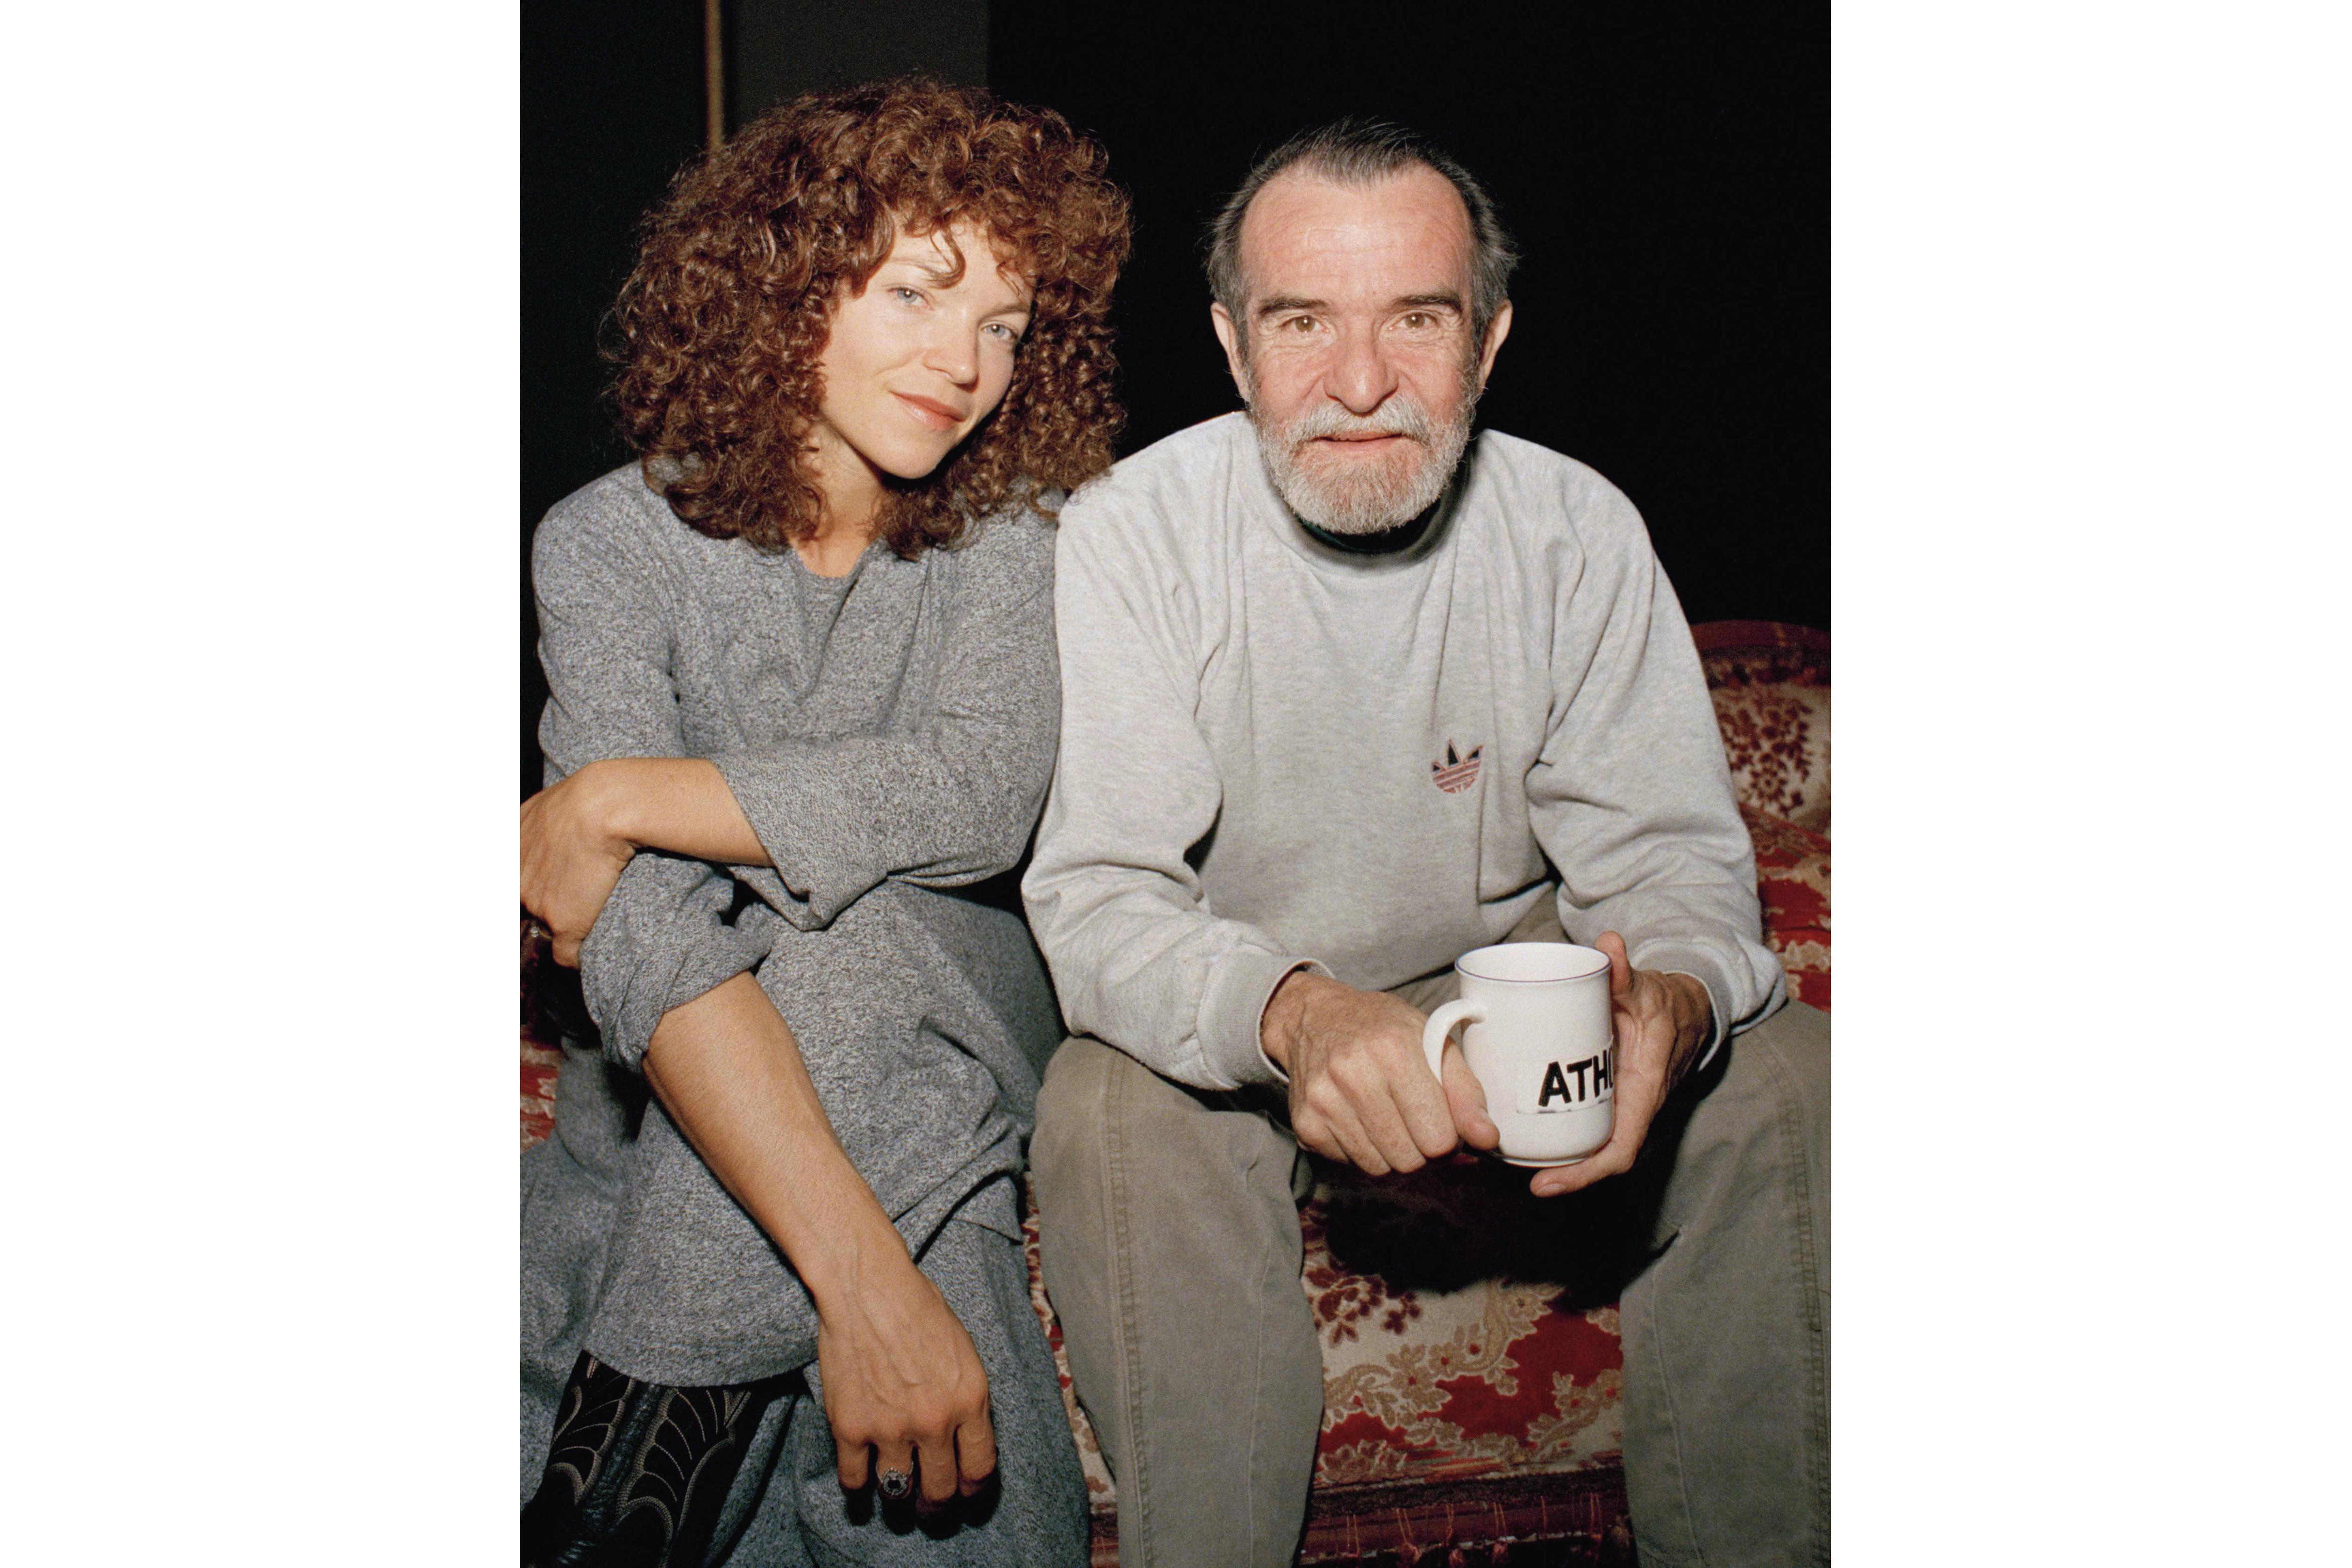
[890, 736]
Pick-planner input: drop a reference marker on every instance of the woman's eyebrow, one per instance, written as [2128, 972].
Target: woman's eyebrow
[924, 255]
[929, 266]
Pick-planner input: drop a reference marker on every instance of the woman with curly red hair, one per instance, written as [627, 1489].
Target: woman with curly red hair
[803, 700]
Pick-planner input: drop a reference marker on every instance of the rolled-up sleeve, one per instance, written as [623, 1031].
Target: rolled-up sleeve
[663, 937]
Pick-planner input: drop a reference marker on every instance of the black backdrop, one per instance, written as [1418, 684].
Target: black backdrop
[1666, 169]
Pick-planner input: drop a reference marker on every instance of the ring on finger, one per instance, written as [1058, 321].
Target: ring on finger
[895, 1484]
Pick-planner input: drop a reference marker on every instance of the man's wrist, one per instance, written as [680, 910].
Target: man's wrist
[1694, 1016]
[1284, 1022]
[1232, 1018]
[1279, 1025]
[1697, 1006]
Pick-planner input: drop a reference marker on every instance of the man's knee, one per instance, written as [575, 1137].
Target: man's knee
[1121, 1150]
[1763, 1106]
[1796, 1041]
[1096, 1095]
[1069, 1103]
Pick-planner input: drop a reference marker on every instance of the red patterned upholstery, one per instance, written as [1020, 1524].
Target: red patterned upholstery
[1770, 683]
[1771, 689]
[1792, 876]
[1465, 1407]
[541, 1056]
[1457, 1408]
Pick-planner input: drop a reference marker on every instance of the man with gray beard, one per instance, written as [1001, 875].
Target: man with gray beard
[1344, 696]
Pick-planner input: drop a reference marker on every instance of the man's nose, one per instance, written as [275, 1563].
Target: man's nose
[955, 352]
[1361, 377]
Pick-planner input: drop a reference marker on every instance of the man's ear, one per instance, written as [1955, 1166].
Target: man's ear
[1229, 335]
[1497, 330]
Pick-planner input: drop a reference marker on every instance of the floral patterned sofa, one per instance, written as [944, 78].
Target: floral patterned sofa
[1471, 1359]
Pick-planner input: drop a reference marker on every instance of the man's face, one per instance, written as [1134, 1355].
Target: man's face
[1360, 364]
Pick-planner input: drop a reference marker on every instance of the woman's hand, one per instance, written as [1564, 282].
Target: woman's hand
[571, 857]
[900, 1373]
[900, 1376]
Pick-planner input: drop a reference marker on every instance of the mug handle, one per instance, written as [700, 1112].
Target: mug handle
[1441, 1024]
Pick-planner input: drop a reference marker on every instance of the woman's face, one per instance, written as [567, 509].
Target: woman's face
[914, 362]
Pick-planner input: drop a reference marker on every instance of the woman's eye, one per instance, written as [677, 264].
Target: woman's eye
[1006, 333]
[907, 296]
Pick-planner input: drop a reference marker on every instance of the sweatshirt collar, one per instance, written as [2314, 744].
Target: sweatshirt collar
[1401, 550]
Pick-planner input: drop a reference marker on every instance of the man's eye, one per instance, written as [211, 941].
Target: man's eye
[1301, 323]
[1416, 320]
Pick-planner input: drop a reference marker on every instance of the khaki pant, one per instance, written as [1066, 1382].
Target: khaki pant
[1172, 1251]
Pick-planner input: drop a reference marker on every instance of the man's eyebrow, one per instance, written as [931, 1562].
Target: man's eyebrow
[1274, 304]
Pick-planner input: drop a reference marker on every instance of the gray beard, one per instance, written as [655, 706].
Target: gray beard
[1387, 496]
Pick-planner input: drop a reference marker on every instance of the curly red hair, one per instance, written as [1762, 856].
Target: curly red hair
[721, 321]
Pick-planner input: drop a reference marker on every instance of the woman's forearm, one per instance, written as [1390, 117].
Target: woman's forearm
[729, 1071]
[681, 804]
[903, 1386]
[578, 836]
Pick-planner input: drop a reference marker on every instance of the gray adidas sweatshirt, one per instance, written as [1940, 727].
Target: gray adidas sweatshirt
[1277, 754]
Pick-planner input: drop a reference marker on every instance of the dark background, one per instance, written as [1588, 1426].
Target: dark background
[1665, 169]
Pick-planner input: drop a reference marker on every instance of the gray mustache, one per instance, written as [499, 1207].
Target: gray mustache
[1397, 418]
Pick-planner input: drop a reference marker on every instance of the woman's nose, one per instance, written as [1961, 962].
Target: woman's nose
[954, 353]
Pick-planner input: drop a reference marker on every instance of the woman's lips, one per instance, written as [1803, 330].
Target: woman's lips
[935, 414]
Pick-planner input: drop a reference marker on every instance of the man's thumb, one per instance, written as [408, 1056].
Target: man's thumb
[1467, 1098]
[1621, 968]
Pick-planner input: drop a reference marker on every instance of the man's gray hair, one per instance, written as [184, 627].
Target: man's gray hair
[1359, 152]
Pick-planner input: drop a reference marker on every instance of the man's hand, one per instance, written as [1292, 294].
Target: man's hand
[1663, 1021]
[901, 1377]
[1359, 1086]
[571, 857]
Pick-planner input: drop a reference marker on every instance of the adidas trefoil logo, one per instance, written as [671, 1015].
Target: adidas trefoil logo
[1456, 773]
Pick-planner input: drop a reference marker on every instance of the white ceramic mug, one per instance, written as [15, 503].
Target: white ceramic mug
[1540, 1042]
